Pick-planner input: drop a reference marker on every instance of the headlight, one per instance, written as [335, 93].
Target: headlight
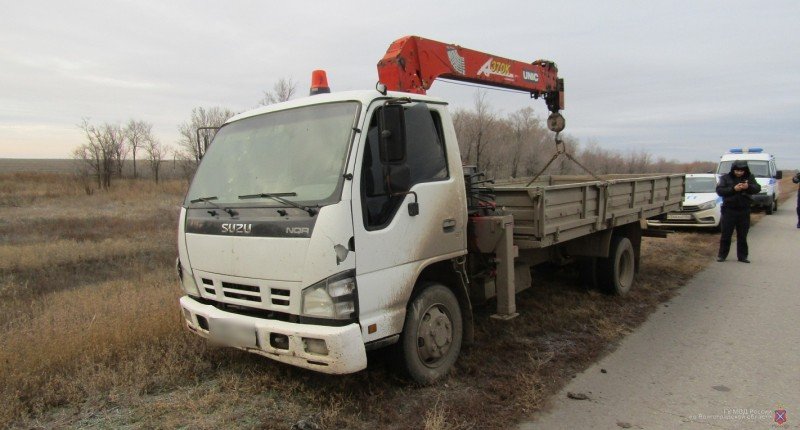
[707, 205]
[187, 280]
[334, 297]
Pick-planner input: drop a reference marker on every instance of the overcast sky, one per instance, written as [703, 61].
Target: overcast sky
[685, 80]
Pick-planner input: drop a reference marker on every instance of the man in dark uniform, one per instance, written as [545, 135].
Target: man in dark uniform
[736, 188]
[796, 180]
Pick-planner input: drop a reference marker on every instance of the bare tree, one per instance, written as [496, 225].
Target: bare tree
[90, 167]
[519, 144]
[103, 153]
[483, 127]
[137, 134]
[189, 148]
[461, 119]
[90, 153]
[115, 136]
[282, 91]
[637, 161]
[155, 154]
[530, 143]
[520, 122]
[600, 161]
[477, 130]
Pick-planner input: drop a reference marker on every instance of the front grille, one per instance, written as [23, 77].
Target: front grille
[208, 285]
[241, 292]
[241, 287]
[241, 296]
[690, 209]
[246, 294]
[280, 297]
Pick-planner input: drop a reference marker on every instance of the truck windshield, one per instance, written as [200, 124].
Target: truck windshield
[300, 151]
[701, 185]
[759, 168]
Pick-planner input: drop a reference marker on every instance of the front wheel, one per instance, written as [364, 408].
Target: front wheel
[432, 334]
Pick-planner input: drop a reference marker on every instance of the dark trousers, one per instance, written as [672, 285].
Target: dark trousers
[738, 219]
[798, 206]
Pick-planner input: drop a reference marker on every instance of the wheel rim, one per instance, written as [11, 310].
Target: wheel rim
[434, 335]
[625, 270]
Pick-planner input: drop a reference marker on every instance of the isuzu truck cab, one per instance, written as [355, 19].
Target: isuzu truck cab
[283, 199]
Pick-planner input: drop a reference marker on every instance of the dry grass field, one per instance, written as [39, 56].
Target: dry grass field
[170, 169]
[93, 338]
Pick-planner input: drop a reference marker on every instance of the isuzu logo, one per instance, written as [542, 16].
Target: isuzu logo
[237, 228]
[298, 230]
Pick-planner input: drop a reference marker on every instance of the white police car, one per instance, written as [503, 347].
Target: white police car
[701, 205]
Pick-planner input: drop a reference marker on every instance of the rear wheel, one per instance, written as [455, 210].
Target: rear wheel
[432, 334]
[615, 273]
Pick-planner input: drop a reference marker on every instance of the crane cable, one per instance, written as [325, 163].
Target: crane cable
[561, 148]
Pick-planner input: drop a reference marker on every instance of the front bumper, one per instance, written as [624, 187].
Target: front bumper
[343, 350]
[708, 218]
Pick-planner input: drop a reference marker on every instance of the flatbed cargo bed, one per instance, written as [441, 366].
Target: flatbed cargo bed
[558, 208]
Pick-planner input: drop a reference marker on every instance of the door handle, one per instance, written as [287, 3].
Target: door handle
[449, 225]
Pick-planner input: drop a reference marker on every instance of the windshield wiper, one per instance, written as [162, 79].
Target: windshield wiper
[279, 198]
[230, 211]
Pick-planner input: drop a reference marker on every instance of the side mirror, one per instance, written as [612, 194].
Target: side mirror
[398, 179]
[392, 131]
[779, 174]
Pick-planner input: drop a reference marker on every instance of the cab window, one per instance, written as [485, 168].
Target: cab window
[425, 157]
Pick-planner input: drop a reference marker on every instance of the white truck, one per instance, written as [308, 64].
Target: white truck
[319, 228]
[762, 166]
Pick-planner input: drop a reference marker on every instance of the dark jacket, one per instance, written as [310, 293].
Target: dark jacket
[737, 199]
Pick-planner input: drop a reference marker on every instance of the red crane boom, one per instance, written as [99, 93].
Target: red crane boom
[412, 63]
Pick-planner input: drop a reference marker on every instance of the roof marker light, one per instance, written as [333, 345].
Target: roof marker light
[755, 150]
[319, 83]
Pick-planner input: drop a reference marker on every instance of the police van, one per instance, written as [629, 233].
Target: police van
[762, 166]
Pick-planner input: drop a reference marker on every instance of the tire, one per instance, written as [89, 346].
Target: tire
[615, 274]
[432, 334]
[769, 209]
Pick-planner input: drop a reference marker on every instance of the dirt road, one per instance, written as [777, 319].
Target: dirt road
[725, 353]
